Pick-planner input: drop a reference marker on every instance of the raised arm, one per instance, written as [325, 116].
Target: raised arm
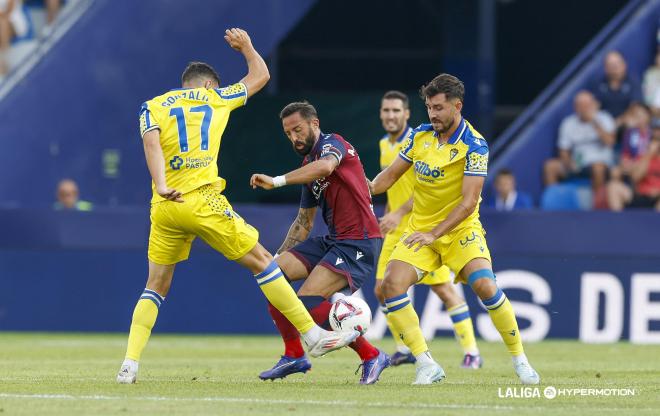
[258, 74]
[310, 172]
[386, 178]
[299, 230]
[156, 164]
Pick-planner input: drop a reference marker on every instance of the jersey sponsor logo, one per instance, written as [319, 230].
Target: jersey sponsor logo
[176, 162]
[318, 186]
[423, 169]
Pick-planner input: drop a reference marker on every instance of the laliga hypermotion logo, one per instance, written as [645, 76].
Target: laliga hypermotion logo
[176, 163]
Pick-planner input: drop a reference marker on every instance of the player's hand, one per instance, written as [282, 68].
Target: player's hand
[421, 239]
[389, 222]
[238, 39]
[262, 181]
[170, 194]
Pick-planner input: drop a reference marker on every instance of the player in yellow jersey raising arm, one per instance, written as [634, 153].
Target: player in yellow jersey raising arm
[394, 114]
[181, 132]
[450, 161]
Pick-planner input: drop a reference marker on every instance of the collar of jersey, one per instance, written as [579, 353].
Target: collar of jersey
[180, 89]
[403, 135]
[462, 126]
[321, 136]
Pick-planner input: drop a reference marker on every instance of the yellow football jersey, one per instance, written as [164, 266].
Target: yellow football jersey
[439, 169]
[402, 189]
[191, 122]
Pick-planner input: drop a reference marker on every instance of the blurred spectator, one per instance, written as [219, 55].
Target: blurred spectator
[52, 10]
[68, 197]
[585, 143]
[617, 90]
[13, 22]
[651, 82]
[508, 198]
[640, 162]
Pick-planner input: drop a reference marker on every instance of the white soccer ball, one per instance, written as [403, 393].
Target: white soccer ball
[350, 313]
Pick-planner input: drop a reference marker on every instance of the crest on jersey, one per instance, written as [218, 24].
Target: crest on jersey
[452, 154]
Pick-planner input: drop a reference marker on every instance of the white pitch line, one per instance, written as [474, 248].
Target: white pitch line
[256, 401]
[352, 404]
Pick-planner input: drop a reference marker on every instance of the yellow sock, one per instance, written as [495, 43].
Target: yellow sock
[400, 345]
[463, 329]
[504, 319]
[144, 318]
[281, 295]
[406, 322]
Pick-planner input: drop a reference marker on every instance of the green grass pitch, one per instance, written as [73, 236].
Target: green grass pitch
[73, 374]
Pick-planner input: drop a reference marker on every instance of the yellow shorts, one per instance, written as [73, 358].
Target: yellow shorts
[436, 277]
[453, 250]
[205, 213]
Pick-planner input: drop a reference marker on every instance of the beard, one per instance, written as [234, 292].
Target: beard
[304, 147]
[444, 127]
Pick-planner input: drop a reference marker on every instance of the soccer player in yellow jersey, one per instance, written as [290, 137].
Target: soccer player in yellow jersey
[450, 161]
[394, 115]
[181, 132]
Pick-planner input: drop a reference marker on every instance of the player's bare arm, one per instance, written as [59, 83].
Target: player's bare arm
[312, 171]
[391, 220]
[386, 178]
[156, 164]
[299, 230]
[258, 74]
[470, 192]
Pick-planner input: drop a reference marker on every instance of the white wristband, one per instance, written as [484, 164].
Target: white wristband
[279, 181]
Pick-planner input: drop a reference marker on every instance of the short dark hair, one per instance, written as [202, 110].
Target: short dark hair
[446, 84]
[397, 95]
[505, 172]
[199, 70]
[304, 108]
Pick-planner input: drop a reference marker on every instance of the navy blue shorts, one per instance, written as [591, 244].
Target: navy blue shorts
[355, 259]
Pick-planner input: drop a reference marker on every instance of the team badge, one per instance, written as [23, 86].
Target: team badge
[453, 154]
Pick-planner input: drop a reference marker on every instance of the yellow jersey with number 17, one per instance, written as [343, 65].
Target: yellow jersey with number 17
[402, 190]
[439, 170]
[191, 123]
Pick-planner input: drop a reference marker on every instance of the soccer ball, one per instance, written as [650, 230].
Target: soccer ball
[350, 313]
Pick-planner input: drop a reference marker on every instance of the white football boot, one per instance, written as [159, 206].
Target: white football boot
[128, 372]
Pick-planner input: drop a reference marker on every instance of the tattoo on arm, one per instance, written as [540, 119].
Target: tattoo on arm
[299, 230]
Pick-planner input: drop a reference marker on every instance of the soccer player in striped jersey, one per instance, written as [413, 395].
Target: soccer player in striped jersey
[181, 132]
[450, 161]
[394, 115]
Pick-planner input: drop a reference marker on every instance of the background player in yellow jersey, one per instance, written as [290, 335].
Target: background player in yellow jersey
[450, 161]
[181, 132]
[394, 115]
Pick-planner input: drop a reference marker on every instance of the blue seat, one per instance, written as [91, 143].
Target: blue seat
[561, 197]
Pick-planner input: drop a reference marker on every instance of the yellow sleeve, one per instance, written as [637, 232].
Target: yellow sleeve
[147, 120]
[233, 96]
[407, 150]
